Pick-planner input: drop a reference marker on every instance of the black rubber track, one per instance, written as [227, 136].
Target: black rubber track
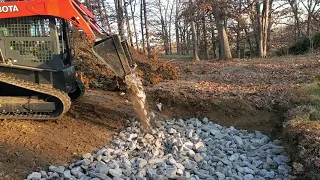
[60, 96]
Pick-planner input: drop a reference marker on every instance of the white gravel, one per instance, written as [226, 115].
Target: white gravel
[190, 149]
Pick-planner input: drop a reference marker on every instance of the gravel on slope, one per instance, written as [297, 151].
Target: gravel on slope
[191, 149]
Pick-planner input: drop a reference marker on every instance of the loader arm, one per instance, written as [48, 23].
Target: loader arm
[108, 48]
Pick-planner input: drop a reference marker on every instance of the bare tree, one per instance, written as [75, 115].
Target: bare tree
[204, 32]
[128, 23]
[142, 22]
[225, 51]
[262, 19]
[194, 37]
[294, 4]
[146, 26]
[310, 6]
[178, 42]
[133, 8]
[119, 10]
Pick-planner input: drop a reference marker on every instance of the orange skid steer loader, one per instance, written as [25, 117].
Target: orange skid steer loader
[37, 77]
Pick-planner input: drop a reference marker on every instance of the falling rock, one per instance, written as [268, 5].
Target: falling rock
[44, 174]
[172, 161]
[53, 175]
[132, 146]
[103, 169]
[142, 162]
[76, 170]
[186, 175]
[86, 162]
[198, 146]
[205, 120]
[270, 174]
[247, 170]
[117, 173]
[171, 172]
[238, 140]
[234, 157]
[67, 174]
[131, 137]
[86, 156]
[220, 175]
[34, 176]
[172, 131]
[151, 172]
[191, 153]
[282, 170]
[180, 166]
[203, 174]
[198, 158]
[248, 177]
[59, 169]
[127, 172]
[215, 132]
[188, 146]
[99, 176]
[189, 133]
[281, 159]
[99, 158]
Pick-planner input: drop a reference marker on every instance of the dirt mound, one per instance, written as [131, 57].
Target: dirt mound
[152, 70]
[96, 75]
[303, 143]
[93, 73]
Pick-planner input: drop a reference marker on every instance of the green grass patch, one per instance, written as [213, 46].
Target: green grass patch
[176, 56]
[311, 94]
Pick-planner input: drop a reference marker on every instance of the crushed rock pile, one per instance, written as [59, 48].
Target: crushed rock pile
[179, 149]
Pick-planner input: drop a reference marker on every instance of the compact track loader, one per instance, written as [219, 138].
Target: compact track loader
[37, 78]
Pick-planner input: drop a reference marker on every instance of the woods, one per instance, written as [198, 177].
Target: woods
[214, 29]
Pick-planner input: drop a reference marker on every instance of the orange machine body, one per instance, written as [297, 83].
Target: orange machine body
[71, 10]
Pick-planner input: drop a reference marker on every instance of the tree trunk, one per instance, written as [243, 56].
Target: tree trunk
[297, 27]
[225, 51]
[204, 28]
[142, 27]
[170, 28]
[259, 30]
[188, 41]
[194, 39]
[119, 9]
[147, 27]
[164, 30]
[177, 29]
[270, 23]
[249, 41]
[213, 38]
[265, 27]
[106, 23]
[238, 40]
[128, 26]
[134, 24]
[263, 23]
[178, 38]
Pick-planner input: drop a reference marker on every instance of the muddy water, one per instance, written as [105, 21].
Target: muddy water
[138, 98]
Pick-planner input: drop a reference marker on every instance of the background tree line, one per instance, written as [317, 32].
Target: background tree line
[210, 29]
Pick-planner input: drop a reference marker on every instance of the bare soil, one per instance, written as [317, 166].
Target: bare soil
[247, 94]
[27, 146]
